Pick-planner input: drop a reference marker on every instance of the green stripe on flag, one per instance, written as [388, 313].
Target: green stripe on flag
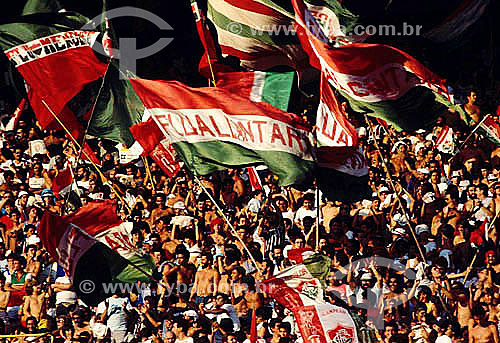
[131, 273]
[224, 23]
[277, 89]
[289, 168]
[319, 267]
[417, 108]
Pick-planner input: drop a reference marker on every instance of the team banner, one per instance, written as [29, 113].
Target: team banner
[213, 129]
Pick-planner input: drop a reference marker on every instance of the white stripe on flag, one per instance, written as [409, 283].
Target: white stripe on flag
[259, 80]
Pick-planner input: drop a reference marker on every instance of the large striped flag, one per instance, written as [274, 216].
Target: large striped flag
[258, 32]
[301, 284]
[94, 248]
[376, 79]
[213, 129]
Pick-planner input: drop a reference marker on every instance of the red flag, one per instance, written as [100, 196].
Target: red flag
[62, 182]
[154, 143]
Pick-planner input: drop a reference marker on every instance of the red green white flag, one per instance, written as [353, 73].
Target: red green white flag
[377, 79]
[325, 323]
[93, 247]
[213, 129]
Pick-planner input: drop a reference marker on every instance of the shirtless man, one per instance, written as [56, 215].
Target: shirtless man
[183, 270]
[480, 330]
[206, 280]
[462, 310]
[160, 211]
[471, 108]
[4, 299]
[34, 300]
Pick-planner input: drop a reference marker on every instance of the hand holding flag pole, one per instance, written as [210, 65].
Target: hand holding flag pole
[85, 153]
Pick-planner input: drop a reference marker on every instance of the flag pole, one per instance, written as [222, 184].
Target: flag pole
[86, 155]
[148, 171]
[231, 227]
[468, 137]
[389, 178]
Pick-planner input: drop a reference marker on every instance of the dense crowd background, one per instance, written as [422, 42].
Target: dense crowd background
[447, 202]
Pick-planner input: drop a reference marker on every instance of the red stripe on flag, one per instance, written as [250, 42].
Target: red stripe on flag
[253, 328]
[255, 7]
[254, 178]
[63, 179]
[175, 95]
[95, 217]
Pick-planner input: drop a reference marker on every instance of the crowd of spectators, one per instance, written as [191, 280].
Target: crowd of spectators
[445, 288]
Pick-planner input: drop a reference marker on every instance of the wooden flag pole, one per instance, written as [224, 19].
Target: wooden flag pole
[86, 155]
[148, 171]
[231, 227]
[394, 189]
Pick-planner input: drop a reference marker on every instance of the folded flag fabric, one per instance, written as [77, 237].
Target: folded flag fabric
[61, 184]
[446, 141]
[490, 129]
[94, 248]
[213, 129]
[301, 284]
[271, 87]
[336, 137]
[210, 63]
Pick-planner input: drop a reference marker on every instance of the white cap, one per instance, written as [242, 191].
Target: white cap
[384, 189]
[420, 131]
[455, 173]
[464, 183]
[179, 205]
[421, 228]
[423, 170]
